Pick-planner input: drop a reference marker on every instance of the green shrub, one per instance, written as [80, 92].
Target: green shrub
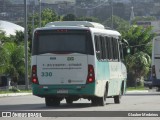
[14, 89]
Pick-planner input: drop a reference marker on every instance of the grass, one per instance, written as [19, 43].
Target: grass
[136, 88]
[9, 91]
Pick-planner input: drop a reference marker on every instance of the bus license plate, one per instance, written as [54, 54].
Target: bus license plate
[62, 91]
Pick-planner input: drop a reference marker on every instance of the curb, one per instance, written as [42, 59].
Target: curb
[137, 91]
[14, 94]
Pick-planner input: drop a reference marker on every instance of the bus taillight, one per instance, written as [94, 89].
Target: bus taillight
[153, 72]
[91, 75]
[34, 74]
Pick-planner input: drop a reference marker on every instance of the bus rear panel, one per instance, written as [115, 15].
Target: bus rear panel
[156, 62]
[60, 65]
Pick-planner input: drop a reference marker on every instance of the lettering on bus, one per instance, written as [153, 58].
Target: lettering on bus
[46, 74]
[62, 66]
[70, 58]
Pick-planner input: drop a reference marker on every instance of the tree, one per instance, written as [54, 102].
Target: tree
[139, 39]
[48, 15]
[144, 18]
[118, 23]
[18, 38]
[69, 17]
[138, 61]
[138, 65]
[12, 60]
[91, 19]
[3, 37]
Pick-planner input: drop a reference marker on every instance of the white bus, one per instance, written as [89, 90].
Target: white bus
[77, 59]
[155, 75]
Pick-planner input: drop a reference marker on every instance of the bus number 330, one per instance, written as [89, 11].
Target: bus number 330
[46, 74]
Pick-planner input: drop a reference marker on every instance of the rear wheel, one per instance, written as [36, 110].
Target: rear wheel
[69, 101]
[99, 101]
[50, 101]
[117, 99]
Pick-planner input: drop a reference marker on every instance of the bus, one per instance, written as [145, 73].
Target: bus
[77, 59]
[155, 74]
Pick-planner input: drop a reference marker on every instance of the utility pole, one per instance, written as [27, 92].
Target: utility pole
[33, 10]
[112, 14]
[26, 46]
[111, 4]
[132, 17]
[39, 13]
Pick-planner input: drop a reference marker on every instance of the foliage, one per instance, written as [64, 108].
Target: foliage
[118, 23]
[138, 63]
[72, 17]
[91, 19]
[18, 38]
[139, 60]
[3, 37]
[12, 60]
[139, 39]
[48, 15]
[14, 89]
[144, 18]
[69, 17]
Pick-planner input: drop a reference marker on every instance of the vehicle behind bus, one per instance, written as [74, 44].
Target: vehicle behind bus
[155, 75]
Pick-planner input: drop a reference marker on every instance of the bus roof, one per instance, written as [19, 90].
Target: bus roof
[76, 23]
[82, 25]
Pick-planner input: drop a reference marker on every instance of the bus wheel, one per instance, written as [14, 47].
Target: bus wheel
[52, 101]
[69, 101]
[99, 100]
[117, 99]
[48, 101]
[94, 101]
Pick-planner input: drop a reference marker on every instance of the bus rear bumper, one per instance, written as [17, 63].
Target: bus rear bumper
[63, 90]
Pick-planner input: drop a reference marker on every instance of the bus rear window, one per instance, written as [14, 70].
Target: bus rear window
[62, 43]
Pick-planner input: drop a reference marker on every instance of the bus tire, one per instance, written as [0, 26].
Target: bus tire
[52, 101]
[48, 101]
[99, 101]
[69, 101]
[117, 99]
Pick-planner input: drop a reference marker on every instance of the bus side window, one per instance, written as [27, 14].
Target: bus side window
[121, 51]
[111, 48]
[98, 47]
[108, 51]
[105, 47]
[115, 49]
[102, 41]
[118, 50]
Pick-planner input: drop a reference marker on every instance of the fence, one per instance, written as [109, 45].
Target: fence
[21, 87]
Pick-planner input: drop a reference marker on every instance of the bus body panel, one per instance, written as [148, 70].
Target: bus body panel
[62, 69]
[66, 74]
[156, 61]
[73, 89]
[87, 90]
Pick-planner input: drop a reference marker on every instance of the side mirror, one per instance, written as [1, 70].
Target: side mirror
[128, 50]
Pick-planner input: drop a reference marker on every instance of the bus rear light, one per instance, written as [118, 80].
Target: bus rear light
[34, 80]
[34, 74]
[153, 72]
[91, 75]
[34, 69]
[62, 30]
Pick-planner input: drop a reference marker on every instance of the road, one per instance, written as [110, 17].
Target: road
[138, 101]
